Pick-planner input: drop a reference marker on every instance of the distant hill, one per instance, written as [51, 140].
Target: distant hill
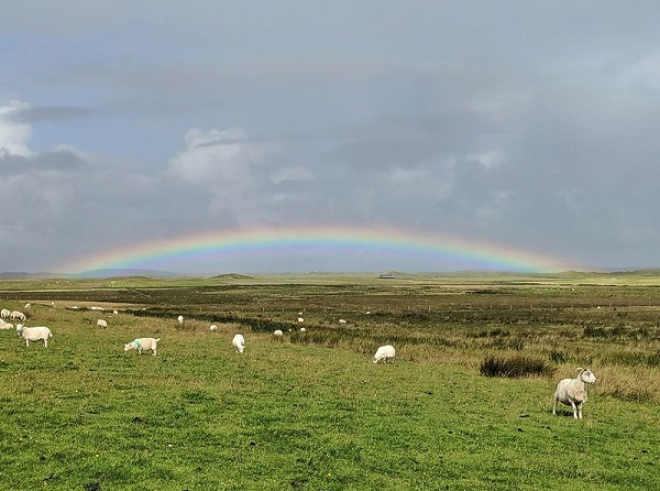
[28, 276]
[232, 276]
[114, 272]
[96, 273]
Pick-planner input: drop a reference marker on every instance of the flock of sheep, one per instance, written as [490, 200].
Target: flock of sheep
[571, 391]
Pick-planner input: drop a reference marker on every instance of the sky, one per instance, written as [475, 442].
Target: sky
[519, 126]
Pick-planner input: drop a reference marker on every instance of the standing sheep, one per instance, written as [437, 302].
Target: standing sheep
[384, 353]
[278, 333]
[17, 315]
[102, 323]
[40, 333]
[180, 320]
[572, 392]
[238, 343]
[143, 344]
[213, 327]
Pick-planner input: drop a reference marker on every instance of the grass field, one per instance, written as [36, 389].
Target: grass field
[311, 411]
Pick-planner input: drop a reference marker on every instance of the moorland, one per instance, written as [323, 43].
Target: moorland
[310, 410]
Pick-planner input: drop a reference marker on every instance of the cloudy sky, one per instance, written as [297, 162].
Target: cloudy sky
[531, 125]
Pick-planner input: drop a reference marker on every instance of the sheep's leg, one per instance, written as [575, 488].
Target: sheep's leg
[27, 343]
[154, 352]
[575, 410]
[579, 411]
[554, 406]
[45, 343]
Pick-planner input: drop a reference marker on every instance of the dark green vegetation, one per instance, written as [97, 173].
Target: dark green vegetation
[311, 411]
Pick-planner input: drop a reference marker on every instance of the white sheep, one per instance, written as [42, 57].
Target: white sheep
[302, 329]
[143, 344]
[39, 333]
[17, 315]
[5, 313]
[278, 333]
[28, 306]
[238, 343]
[572, 392]
[102, 323]
[5, 325]
[300, 319]
[384, 353]
[213, 327]
[342, 321]
[180, 320]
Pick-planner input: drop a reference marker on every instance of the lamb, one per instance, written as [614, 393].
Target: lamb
[39, 333]
[5, 313]
[102, 323]
[239, 343]
[384, 353]
[572, 392]
[143, 344]
[17, 315]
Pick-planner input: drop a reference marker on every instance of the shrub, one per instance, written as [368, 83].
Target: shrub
[514, 367]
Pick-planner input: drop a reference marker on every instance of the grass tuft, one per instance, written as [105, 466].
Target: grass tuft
[514, 367]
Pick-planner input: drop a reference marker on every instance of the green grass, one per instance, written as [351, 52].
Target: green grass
[312, 411]
[83, 414]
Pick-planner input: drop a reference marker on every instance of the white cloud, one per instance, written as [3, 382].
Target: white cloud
[14, 136]
[296, 174]
[216, 156]
[488, 159]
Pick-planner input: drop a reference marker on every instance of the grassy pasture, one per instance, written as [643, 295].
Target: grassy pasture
[311, 411]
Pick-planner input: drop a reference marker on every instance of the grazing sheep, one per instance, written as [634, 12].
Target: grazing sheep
[300, 319]
[115, 312]
[213, 327]
[302, 329]
[572, 392]
[180, 320]
[4, 313]
[342, 321]
[278, 333]
[28, 306]
[384, 353]
[39, 333]
[143, 344]
[101, 323]
[17, 315]
[239, 343]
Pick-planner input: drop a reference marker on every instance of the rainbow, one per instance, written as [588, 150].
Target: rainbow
[436, 253]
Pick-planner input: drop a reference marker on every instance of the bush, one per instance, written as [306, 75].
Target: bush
[515, 367]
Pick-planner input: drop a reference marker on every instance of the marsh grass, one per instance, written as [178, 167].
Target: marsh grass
[310, 411]
[514, 367]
